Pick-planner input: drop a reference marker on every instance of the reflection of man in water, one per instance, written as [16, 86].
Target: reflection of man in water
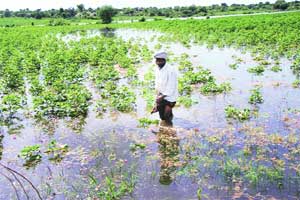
[169, 153]
[166, 86]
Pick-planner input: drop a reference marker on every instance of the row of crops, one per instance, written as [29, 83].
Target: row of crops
[268, 35]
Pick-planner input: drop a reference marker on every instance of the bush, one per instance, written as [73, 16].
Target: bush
[143, 19]
[58, 22]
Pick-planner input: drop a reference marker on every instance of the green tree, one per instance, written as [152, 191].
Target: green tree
[7, 13]
[280, 5]
[37, 14]
[80, 8]
[106, 13]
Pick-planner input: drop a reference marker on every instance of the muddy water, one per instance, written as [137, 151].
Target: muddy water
[93, 135]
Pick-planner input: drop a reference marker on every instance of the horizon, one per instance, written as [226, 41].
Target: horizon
[15, 5]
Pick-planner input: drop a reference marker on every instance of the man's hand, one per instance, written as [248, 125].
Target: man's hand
[154, 110]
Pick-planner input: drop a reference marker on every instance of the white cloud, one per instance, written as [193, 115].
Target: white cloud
[48, 4]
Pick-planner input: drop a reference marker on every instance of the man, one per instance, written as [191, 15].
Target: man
[166, 86]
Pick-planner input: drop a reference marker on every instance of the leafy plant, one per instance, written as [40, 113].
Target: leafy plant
[185, 101]
[123, 99]
[134, 147]
[276, 68]
[110, 189]
[265, 62]
[256, 96]
[234, 113]
[31, 155]
[231, 170]
[234, 66]
[202, 76]
[259, 70]
[11, 103]
[56, 151]
[145, 122]
[212, 88]
[296, 83]
[58, 22]
[69, 101]
[184, 87]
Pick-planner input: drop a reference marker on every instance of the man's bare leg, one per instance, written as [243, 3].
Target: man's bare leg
[168, 114]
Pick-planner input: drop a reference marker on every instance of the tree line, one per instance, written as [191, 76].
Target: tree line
[178, 11]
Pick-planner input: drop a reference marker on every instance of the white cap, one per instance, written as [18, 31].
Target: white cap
[163, 55]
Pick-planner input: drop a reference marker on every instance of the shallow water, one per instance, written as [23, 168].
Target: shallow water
[88, 137]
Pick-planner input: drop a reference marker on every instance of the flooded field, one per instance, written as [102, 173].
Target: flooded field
[240, 143]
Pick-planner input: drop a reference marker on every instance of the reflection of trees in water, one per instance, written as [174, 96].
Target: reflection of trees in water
[12, 123]
[296, 72]
[169, 153]
[48, 124]
[108, 32]
[295, 67]
[76, 124]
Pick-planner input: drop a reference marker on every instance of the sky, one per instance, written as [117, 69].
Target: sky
[49, 4]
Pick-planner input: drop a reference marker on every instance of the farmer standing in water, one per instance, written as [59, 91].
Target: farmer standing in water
[166, 87]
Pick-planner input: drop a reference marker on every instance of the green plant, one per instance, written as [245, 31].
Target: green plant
[123, 99]
[259, 70]
[234, 113]
[185, 65]
[158, 46]
[58, 22]
[212, 88]
[262, 173]
[149, 97]
[111, 189]
[134, 147]
[295, 67]
[184, 87]
[56, 151]
[296, 83]
[143, 19]
[199, 193]
[265, 62]
[234, 66]
[256, 96]
[31, 155]
[145, 122]
[11, 103]
[66, 101]
[231, 170]
[185, 101]
[202, 76]
[252, 176]
[276, 68]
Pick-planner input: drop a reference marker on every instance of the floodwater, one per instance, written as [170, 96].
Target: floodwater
[99, 143]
